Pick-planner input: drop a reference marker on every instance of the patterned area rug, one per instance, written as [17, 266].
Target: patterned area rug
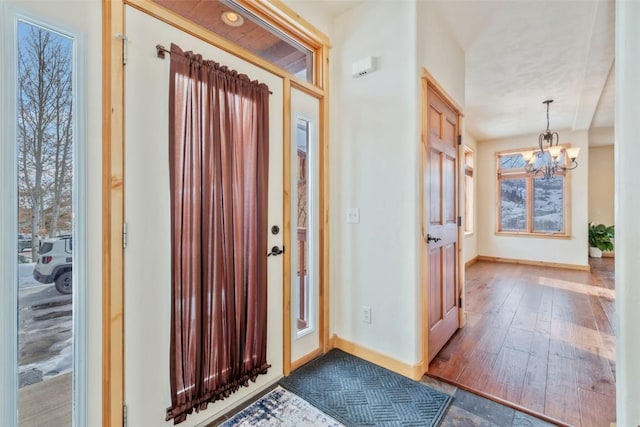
[279, 408]
[359, 393]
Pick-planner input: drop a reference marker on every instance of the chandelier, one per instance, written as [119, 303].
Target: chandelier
[549, 159]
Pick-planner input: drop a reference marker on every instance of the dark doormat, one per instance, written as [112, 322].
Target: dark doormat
[359, 393]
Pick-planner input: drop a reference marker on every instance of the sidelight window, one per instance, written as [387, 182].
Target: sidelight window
[49, 223]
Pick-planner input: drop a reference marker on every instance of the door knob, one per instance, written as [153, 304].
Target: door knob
[432, 239]
[276, 251]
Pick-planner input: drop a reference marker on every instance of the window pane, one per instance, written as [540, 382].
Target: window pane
[548, 201]
[45, 192]
[513, 212]
[301, 169]
[511, 161]
[468, 157]
[468, 225]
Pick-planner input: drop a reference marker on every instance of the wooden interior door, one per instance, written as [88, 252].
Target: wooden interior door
[441, 219]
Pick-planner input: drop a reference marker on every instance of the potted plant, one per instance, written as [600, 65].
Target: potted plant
[600, 239]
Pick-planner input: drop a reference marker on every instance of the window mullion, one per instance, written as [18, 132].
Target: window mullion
[530, 202]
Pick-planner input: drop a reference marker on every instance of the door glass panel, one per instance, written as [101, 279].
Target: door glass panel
[302, 289]
[45, 127]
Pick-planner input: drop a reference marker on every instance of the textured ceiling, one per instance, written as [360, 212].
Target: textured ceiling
[519, 53]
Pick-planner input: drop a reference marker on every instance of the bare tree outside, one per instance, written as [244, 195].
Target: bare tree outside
[44, 132]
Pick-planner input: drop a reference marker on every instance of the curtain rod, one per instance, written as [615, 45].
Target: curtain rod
[162, 51]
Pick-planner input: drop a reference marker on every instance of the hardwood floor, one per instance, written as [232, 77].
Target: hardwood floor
[541, 338]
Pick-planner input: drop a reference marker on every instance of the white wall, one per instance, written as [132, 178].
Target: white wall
[565, 251]
[470, 244]
[374, 164]
[627, 211]
[599, 137]
[601, 185]
[314, 13]
[439, 52]
[441, 55]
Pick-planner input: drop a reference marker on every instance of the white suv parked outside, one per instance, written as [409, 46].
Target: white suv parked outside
[55, 262]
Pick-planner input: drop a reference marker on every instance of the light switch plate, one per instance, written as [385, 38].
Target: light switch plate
[353, 216]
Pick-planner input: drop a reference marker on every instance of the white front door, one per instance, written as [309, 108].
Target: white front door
[147, 215]
[305, 238]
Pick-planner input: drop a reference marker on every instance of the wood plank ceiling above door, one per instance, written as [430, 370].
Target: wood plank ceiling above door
[251, 35]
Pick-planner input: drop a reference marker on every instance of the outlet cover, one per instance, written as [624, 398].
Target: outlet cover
[366, 314]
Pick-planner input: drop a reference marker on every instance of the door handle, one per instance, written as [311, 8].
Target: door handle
[276, 251]
[432, 239]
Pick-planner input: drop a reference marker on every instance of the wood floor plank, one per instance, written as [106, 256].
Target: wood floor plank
[540, 346]
[602, 321]
[546, 303]
[597, 409]
[453, 358]
[512, 302]
[475, 374]
[561, 377]
[532, 298]
[535, 384]
[561, 346]
[542, 338]
[560, 407]
[493, 338]
[518, 339]
[609, 307]
[526, 318]
[587, 337]
[594, 372]
[507, 374]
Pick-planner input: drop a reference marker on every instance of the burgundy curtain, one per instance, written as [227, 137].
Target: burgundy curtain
[218, 161]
